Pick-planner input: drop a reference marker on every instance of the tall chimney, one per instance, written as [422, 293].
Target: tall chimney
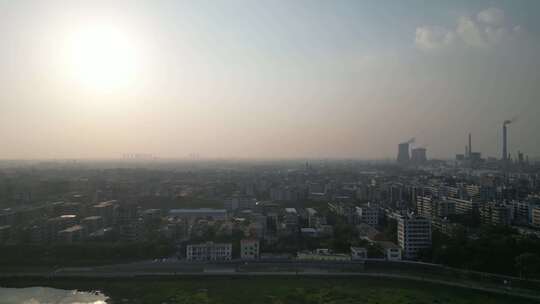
[470, 145]
[504, 152]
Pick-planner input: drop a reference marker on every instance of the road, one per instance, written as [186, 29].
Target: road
[175, 268]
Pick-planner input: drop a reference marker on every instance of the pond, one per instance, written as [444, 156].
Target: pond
[46, 295]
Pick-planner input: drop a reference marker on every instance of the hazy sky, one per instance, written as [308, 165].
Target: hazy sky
[82, 79]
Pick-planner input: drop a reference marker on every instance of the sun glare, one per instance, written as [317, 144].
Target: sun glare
[103, 58]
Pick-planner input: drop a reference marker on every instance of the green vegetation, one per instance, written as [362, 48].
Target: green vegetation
[277, 290]
[84, 254]
[516, 255]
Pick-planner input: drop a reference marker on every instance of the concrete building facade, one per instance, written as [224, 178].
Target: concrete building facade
[209, 251]
[414, 234]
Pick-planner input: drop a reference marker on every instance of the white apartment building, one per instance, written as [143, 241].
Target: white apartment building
[209, 251]
[367, 214]
[414, 234]
[392, 252]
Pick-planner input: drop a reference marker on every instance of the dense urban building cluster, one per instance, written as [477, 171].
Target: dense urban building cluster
[315, 210]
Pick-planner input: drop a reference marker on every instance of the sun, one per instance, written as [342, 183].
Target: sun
[103, 58]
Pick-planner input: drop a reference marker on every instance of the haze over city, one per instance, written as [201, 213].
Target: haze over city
[240, 151]
[274, 79]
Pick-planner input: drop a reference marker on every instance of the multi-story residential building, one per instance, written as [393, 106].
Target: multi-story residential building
[239, 202]
[429, 191]
[424, 206]
[487, 193]
[444, 226]
[286, 194]
[465, 206]
[249, 249]
[209, 251]
[396, 193]
[522, 211]
[414, 234]
[7, 217]
[92, 223]
[343, 209]
[272, 224]
[192, 214]
[151, 215]
[126, 213]
[535, 216]
[367, 214]
[72, 234]
[450, 191]
[473, 192]
[313, 218]
[444, 208]
[430, 207]
[496, 214]
[290, 221]
[106, 210]
[5, 232]
[131, 232]
[54, 225]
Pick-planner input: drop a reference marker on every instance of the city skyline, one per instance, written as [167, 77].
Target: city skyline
[240, 151]
[235, 79]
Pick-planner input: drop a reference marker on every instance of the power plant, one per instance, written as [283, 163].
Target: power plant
[475, 158]
[408, 155]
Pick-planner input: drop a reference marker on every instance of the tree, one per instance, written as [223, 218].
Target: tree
[528, 265]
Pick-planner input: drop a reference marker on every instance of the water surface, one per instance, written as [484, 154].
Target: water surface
[46, 295]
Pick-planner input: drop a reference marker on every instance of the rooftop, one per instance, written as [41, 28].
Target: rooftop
[91, 218]
[105, 204]
[197, 210]
[73, 229]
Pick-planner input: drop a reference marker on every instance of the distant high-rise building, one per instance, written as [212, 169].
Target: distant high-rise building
[403, 153]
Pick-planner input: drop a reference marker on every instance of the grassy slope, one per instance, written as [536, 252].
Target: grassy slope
[278, 290]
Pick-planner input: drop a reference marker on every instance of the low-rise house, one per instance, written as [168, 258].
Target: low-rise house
[358, 253]
[249, 249]
[322, 255]
[392, 252]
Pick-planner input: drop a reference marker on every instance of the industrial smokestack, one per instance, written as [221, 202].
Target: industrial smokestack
[470, 145]
[504, 147]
